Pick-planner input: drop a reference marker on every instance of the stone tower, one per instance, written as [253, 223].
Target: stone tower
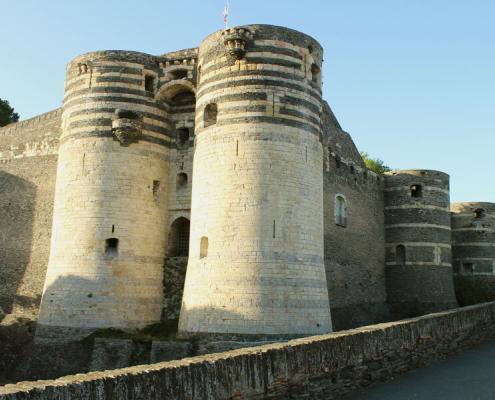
[473, 238]
[473, 251]
[109, 232]
[418, 242]
[256, 245]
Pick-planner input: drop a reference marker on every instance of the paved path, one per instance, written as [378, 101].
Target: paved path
[467, 376]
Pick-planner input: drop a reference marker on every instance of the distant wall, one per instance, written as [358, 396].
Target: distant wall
[355, 265]
[319, 367]
[28, 160]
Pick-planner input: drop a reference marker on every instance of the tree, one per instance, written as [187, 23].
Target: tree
[374, 164]
[7, 114]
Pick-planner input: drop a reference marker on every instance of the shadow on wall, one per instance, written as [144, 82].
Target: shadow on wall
[17, 205]
[73, 298]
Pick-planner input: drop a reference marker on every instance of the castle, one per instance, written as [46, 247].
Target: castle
[225, 158]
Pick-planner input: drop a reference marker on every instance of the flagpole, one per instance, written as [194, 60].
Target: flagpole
[226, 14]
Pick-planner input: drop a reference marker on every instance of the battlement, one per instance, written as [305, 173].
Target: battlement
[14, 128]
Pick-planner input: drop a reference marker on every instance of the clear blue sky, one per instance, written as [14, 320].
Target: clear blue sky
[412, 81]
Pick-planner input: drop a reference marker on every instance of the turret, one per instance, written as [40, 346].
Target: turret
[473, 250]
[110, 212]
[418, 242]
[256, 250]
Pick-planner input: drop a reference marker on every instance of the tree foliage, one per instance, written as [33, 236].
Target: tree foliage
[7, 114]
[374, 164]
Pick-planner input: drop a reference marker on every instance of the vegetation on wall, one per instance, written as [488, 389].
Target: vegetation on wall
[374, 164]
[7, 113]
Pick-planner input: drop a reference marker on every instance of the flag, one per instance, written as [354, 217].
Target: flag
[226, 15]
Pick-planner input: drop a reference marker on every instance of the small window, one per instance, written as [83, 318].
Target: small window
[112, 247]
[203, 247]
[416, 191]
[156, 189]
[437, 256]
[149, 83]
[315, 74]
[479, 213]
[126, 114]
[179, 74]
[337, 162]
[400, 255]
[182, 137]
[181, 182]
[210, 115]
[353, 170]
[340, 211]
[83, 68]
[467, 268]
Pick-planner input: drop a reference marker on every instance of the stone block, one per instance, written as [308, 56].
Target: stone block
[169, 350]
[110, 354]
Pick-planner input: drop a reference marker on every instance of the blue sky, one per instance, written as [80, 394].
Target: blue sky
[412, 81]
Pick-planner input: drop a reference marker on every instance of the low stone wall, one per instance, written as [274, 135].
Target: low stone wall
[318, 367]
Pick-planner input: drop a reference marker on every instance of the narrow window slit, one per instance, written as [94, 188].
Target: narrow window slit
[203, 247]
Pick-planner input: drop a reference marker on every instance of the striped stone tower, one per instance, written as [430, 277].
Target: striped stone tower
[473, 251]
[256, 250]
[418, 242]
[109, 224]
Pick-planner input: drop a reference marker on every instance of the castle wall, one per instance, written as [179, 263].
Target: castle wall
[110, 214]
[320, 367]
[28, 162]
[256, 251]
[354, 264]
[418, 242]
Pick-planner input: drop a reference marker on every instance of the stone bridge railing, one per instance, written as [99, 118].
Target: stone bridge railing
[319, 367]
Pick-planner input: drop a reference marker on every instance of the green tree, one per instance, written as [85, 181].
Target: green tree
[7, 114]
[374, 164]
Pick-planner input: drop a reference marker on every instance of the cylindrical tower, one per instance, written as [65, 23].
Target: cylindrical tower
[418, 242]
[109, 224]
[256, 249]
[473, 251]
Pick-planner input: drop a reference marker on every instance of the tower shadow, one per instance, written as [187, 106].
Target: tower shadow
[17, 206]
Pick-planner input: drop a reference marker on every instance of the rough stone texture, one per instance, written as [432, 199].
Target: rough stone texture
[110, 354]
[417, 220]
[169, 350]
[15, 336]
[50, 359]
[473, 250]
[256, 251]
[212, 346]
[269, 170]
[355, 265]
[28, 160]
[107, 191]
[320, 367]
[173, 287]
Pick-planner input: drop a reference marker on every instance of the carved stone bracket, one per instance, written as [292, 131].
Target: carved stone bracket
[236, 40]
[126, 130]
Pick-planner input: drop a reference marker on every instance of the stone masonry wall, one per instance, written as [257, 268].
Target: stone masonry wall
[355, 265]
[28, 162]
[319, 367]
[256, 251]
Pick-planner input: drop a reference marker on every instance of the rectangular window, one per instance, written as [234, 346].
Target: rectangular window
[149, 83]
